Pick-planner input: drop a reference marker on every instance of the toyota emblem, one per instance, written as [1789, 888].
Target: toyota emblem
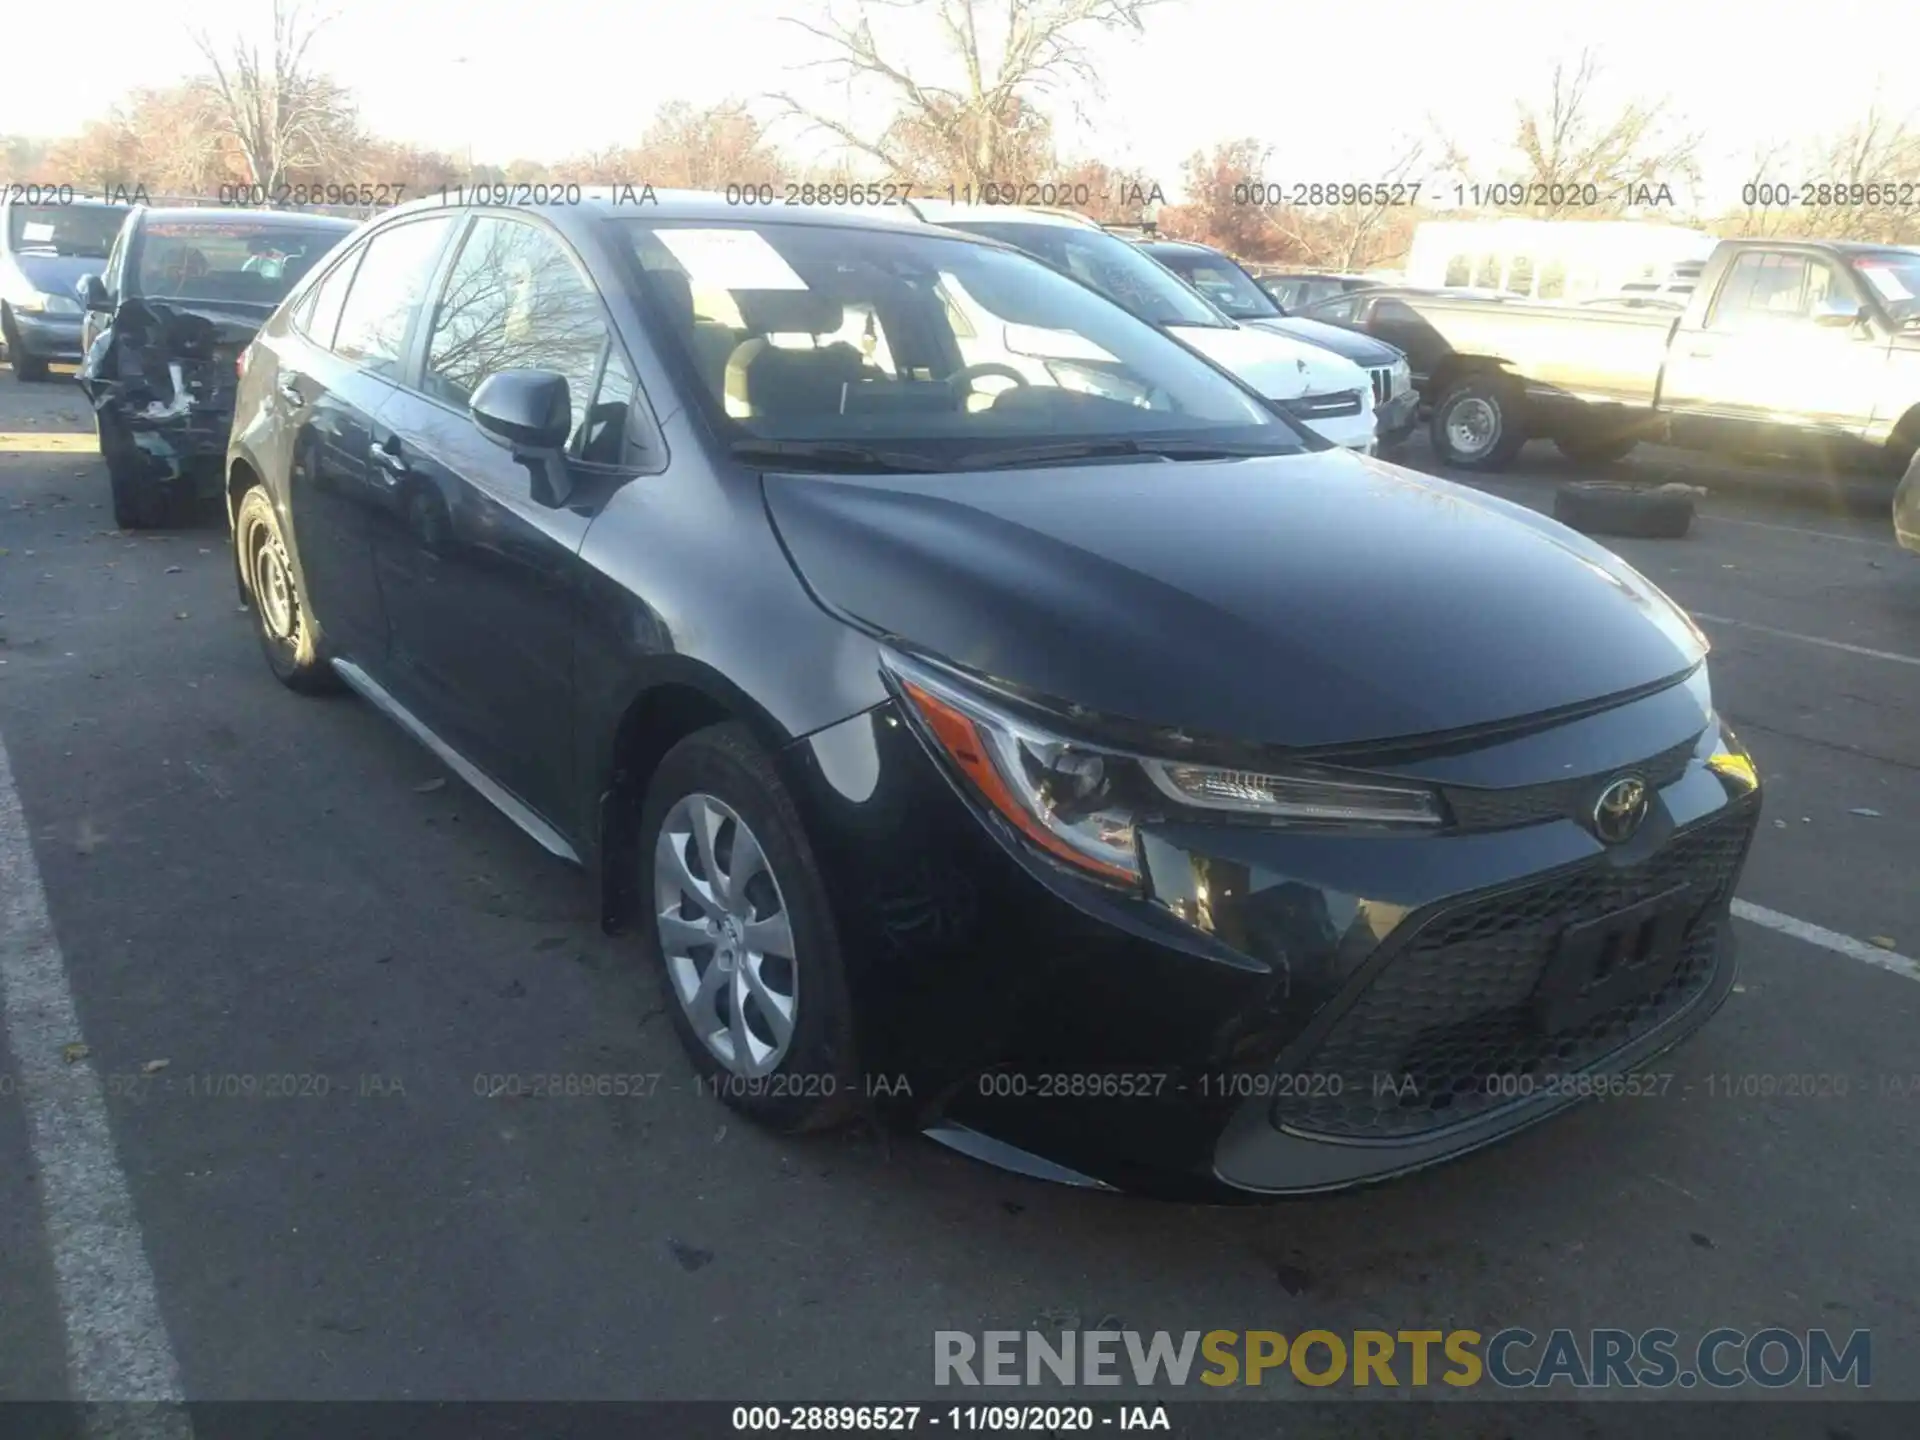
[1621, 808]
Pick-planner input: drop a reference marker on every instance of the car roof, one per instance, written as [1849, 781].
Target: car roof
[949, 212]
[639, 202]
[173, 214]
[1187, 247]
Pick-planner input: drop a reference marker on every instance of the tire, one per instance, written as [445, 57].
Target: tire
[1596, 450]
[808, 1079]
[289, 636]
[27, 369]
[1597, 508]
[1489, 404]
[139, 501]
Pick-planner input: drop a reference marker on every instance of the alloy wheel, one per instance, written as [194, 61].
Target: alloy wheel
[726, 935]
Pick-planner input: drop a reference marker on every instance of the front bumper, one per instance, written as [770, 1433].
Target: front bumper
[1398, 415]
[48, 337]
[1229, 1036]
[1355, 432]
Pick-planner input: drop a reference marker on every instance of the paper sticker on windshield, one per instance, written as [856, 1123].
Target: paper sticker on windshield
[36, 230]
[1887, 282]
[730, 259]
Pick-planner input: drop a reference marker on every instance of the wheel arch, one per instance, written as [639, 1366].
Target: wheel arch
[675, 697]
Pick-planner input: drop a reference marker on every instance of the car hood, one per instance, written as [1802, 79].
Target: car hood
[1361, 349]
[56, 274]
[1313, 600]
[1279, 367]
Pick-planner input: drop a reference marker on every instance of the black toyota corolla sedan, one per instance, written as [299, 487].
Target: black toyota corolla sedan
[983, 713]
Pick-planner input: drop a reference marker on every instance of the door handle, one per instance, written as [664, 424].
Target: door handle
[290, 388]
[389, 459]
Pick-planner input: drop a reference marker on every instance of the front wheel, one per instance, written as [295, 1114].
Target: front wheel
[287, 633]
[1480, 423]
[140, 502]
[26, 368]
[739, 922]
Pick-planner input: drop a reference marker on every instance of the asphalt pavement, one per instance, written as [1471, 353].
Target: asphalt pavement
[301, 958]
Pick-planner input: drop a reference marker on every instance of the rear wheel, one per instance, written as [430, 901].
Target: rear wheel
[288, 637]
[1596, 449]
[1480, 423]
[739, 923]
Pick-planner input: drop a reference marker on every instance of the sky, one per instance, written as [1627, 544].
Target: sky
[1336, 96]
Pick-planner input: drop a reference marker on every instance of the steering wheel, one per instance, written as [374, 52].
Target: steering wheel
[962, 379]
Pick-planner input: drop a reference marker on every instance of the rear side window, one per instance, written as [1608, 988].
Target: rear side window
[389, 286]
[319, 313]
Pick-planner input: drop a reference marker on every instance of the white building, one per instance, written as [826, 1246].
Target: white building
[1568, 260]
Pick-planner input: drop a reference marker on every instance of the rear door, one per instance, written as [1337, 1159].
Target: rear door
[481, 577]
[329, 390]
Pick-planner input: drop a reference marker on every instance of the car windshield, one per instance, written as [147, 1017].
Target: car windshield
[230, 261]
[922, 344]
[1116, 268]
[1895, 278]
[1222, 282]
[85, 230]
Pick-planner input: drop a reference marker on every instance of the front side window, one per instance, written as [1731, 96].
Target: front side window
[922, 341]
[239, 262]
[1769, 287]
[389, 285]
[515, 301]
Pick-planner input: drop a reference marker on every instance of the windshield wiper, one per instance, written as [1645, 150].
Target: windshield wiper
[837, 454]
[1118, 447]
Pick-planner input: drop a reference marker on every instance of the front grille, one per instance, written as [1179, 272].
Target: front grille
[1556, 799]
[1382, 385]
[1445, 1030]
[1325, 407]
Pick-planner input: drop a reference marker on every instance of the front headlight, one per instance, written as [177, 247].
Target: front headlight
[60, 305]
[1401, 376]
[1083, 804]
[32, 301]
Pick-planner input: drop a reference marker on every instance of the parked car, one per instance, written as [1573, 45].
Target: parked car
[167, 322]
[1333, 395]
[1228, 286]
[1297, 289]
[1784, 347]
[44, 249]
[937, 745]
[1906, 507]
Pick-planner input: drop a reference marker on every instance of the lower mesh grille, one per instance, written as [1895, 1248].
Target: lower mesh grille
[1446, 1030]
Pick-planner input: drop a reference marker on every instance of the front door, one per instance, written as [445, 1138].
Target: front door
[478, 570]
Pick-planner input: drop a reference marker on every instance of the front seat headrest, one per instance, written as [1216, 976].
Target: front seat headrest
[789, 312]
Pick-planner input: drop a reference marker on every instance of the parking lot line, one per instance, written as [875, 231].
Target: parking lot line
[1808, 639]
[1801, 530]
[116, 1342]
[1828, 939]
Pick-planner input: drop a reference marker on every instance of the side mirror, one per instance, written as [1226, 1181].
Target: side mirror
[530, 412]
[92, 290]
[1837, 312]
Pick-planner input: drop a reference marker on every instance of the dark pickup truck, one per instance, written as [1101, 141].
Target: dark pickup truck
[1784, 347]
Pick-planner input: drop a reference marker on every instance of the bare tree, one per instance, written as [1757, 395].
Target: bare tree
[1856, 182]
[687, 148]
[282, 114]
[981, 120]
[1572, 146]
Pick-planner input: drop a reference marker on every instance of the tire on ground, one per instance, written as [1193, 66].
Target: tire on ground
[1488, 402]
[1598, 508]
[816, 1085]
